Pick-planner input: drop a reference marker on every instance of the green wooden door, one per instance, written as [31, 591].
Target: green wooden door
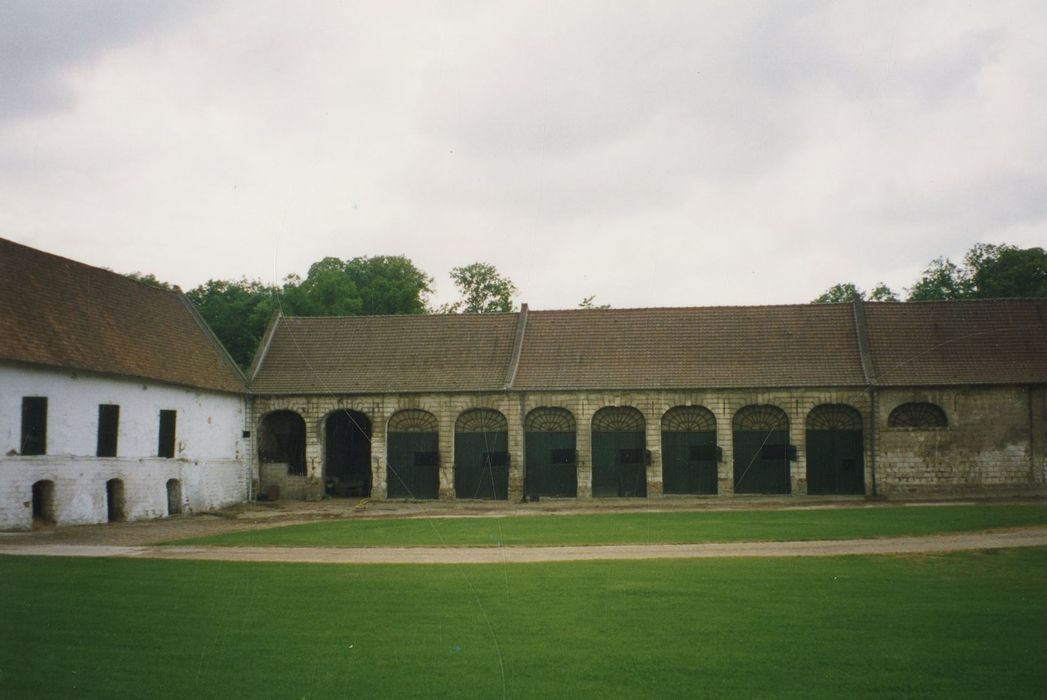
[551, 464]
[481, 465]
[414, 465]
[835, 462]
[761, 463]
[688, 463]
[619, 464]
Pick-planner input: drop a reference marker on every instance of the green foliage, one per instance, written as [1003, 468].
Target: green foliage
[589, 303]
[150, 279]
[482, 290]
[989, 271]
[950, 626]
[237, 312]
[632, 528]
[846, 293]
[389, 284]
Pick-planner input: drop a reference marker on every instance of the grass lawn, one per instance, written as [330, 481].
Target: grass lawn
[958, 625]
[631, 528]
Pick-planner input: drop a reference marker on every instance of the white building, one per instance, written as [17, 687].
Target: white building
[116, 400]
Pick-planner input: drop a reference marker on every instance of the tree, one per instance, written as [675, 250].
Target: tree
[882, 292]
[150, 279]
[1007, 271]
[389, 284]
[588, 303]
[237, 312]
[942, 279]
[482, 290]
[326, 291]
[843, 293]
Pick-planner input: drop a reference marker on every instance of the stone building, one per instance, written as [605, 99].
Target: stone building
[116, 401]
[872, 398]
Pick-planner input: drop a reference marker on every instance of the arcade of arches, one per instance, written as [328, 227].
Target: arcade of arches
[591, 446]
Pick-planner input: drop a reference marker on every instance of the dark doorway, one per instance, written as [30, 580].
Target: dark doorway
[413, 469]
[762, 451]
[835, 451]
[619, 453]
[481, 455]
[347, 461]
[174, 496]
[282, 440]
[43, 503]
[550, 460]
[689, 456]
[115, 503]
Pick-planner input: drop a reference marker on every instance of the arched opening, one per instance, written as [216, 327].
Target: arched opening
[550, 459]
[835, 451]
[115, 502]
[413, 462]
[689, 456]
[174, 496]
[282, 441]
[762, 450]
[481, 455]
[919, 415]
[619, 452]
[43, 503]
[347, 456]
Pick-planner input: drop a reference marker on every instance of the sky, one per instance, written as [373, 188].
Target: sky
[647, 154]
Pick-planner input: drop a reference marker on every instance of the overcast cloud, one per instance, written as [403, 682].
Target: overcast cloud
[659, 154]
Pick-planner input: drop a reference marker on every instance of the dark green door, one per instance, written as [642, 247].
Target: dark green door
[414, 465]
[835, 462]
[348, 454]
[551, 464]
[481, 465]
[761, 462]
[619, 464]
[689, 462]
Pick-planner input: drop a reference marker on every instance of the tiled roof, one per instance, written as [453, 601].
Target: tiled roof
[447, 352]
[707, 347]
[995, 341]
[61, 313]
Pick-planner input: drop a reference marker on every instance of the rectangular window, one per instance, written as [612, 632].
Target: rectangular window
[496, 459]
[706, 453]
[777, 451]
[634, 455]
[563, 456]
[167, 434]
[108, 427]
[426, 459]
[34, 425]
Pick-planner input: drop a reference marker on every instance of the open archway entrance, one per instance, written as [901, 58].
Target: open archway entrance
[347, 457]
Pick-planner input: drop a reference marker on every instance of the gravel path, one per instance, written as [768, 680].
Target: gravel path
[1026, 537]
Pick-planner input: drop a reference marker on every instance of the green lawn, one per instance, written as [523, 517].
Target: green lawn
[959, 625]
[622, 528]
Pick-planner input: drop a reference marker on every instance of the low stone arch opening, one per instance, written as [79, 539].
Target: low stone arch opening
[282, 440]
[347, 454]
[761, 450]
[115, 501]
[620, 455]
[550, 459]
[481, 455]
[835, 451]
[43, 503]
[174, 497]
[918, 415]
[413, 455]
[690, 458]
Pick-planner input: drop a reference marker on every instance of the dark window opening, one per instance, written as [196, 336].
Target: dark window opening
[282, 439]
[34, 425]
[778, 452]
[426, 459]
[564, 456]
[634, 455]
[108, 428]
[706, 453]
[168, 420]
[496, 459]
